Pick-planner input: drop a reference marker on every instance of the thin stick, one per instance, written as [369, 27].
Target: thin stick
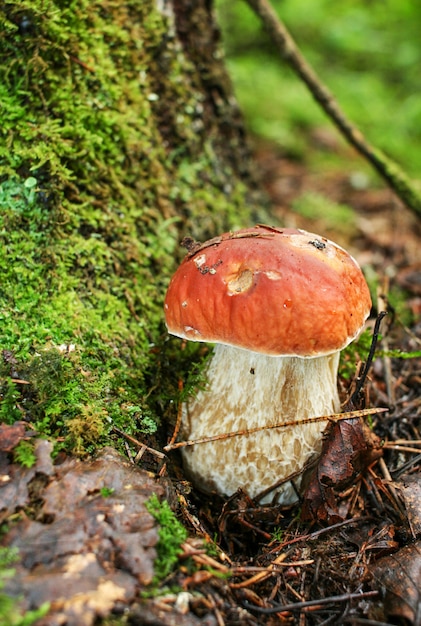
[299, 606]
[267, 570]
[335, 417]
[390, 446]
[382, 305]
[258, 578]
[142, 447]
[322, 531]
[286, 46]
[405, 442]
[390, 484]
[179, 416]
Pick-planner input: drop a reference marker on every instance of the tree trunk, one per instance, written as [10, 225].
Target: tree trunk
[120, 134]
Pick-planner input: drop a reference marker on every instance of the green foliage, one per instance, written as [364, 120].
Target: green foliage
[9, 397]
[24, 454]
[400, 354]
[335, 216]
[9, 611]
[171, 535]
[367, 55]
[356, 351]
[278, 534]
[397, 299]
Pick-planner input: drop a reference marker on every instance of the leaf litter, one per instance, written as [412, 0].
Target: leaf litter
[82, 552]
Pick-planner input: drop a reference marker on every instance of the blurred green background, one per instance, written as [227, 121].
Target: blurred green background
[367, 52]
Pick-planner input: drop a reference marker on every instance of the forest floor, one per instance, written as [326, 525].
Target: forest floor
[358, 562]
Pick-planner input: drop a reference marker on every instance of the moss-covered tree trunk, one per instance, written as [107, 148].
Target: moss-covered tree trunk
[119, 134]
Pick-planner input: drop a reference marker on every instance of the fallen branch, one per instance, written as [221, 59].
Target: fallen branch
[286, 46]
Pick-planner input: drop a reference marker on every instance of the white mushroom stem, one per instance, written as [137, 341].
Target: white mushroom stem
[247, 390]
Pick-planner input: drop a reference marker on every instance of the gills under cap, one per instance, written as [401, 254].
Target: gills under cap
[277, 291]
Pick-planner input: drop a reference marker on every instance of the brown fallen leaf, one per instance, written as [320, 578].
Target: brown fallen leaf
[89, 542]
[410, 490]
[399, 575]
[10, 435]
[349, 447]
[16, 480]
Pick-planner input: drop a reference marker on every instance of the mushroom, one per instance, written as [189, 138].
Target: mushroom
[280, 304]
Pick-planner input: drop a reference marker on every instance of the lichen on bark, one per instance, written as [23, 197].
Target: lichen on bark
[119, 135]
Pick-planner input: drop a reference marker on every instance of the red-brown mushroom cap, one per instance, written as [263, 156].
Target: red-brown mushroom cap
[282, 292]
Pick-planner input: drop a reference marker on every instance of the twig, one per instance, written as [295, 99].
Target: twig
[353, 400]
[82, 64]
[286, 46]
[218, 615]
[258, 578]
[404, 442]
[323, 531]
[265, 572]
[142, 447]
[403, 469]
[250, 569]
[335, 417]
[201, 558]
[391, 491]
[179, 416]
[391, 445]
[352, 619]
[383, 305]
[298, 606]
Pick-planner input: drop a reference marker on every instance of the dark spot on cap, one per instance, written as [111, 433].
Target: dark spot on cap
[320, 245]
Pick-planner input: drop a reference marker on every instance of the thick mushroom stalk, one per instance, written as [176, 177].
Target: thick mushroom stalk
[249, 390]
[280, 304]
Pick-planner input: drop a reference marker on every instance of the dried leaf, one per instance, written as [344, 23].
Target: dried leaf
[15, 479]
[410, 488]
[400, 577]
[92, 541]
[11, 435]
[348, 448]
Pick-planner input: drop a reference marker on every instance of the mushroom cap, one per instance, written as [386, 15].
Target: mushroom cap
[277, 291]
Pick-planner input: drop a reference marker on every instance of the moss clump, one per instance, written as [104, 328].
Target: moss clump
[96, 189]
[24, 454]
[171, 535]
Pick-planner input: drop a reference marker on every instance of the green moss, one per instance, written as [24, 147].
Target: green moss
[171, 535]
[24, 454]
[9, 397]
[355, 352]
[108, 156]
